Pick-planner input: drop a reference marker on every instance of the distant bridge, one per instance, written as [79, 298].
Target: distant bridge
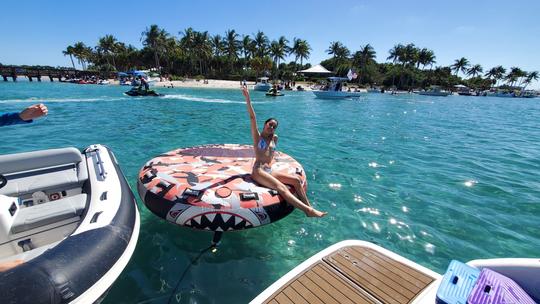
[13, 71]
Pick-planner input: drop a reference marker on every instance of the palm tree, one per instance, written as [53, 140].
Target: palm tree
[300, 50]
[514, 75]
[338, 50]
[69, 51]
[187, 43]
[261, 41]
[425, 57]
[496, 73]
[395, 53]
[81, 52]
[260, 64]
[475, 70]
[363, 57]
[154, 38]
[530, 77]
[107, 45]
[277, 52]
[460, 65]
[218, 45]
[247, 47]
[202, 47]
[232, 46]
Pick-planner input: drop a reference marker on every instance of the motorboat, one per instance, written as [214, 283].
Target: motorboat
[375, 90]
[68, 225]
[103, 82]
[434, 91]
[357, 271]
[262, 84]
[463, 90]
[140, 92]
[333, 90]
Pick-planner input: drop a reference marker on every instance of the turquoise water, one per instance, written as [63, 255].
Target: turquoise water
[431, 178]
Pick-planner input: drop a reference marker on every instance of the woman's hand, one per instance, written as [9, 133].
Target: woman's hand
[245, 91]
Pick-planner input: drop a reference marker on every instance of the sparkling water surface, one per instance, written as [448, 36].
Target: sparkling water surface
[431, 178]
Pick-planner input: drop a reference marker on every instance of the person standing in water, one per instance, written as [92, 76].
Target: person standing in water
[264, 144]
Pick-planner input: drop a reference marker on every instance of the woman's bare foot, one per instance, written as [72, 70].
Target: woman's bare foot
[312, 212]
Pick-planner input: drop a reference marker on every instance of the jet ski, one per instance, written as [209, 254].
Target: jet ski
[141, 92]
[274, 93]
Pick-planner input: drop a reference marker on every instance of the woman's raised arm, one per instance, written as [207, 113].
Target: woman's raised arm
[253, 119]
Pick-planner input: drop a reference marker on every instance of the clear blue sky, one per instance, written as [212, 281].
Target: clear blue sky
[489, 33]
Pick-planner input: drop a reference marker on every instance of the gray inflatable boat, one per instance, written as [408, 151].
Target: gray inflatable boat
[68, 225]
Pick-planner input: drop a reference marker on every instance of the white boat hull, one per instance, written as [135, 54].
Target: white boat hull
[264, 87]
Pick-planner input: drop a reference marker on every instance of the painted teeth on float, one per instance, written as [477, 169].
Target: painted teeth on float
[210, 188]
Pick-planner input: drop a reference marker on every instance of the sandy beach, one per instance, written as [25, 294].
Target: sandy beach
[211, 84]
[208, 83]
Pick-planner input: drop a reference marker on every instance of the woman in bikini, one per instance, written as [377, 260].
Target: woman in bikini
[264, 144]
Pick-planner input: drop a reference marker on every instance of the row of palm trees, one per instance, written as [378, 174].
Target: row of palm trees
[407, 68]
[515, 77]
[234, 56]
[192, 52]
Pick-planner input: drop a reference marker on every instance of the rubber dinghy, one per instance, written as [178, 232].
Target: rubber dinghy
[73, 220]
[210, 188]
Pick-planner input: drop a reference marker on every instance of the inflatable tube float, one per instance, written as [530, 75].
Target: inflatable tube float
[210, 188]
[72, 219]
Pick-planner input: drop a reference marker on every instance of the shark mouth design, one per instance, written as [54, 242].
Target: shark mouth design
[214, 221]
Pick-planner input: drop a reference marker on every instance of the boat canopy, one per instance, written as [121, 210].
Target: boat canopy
[460, 86]
[337, 79]
[317, 69]
[122, 74]
[137, 73]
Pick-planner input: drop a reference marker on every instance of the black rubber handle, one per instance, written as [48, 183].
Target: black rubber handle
[3, 181]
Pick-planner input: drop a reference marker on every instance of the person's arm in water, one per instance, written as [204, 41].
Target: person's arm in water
[252, 117]
[26, 116]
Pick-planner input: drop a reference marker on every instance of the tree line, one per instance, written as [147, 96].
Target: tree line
[235, 56]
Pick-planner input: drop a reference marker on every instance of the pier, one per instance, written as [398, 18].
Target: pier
[37, 72]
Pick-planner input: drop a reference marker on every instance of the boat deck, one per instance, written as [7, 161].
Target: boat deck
[354, 274]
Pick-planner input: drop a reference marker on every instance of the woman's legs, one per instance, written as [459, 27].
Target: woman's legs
[271, 182]
[295, 182]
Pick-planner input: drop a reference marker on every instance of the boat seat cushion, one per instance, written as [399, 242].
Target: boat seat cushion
[57, 169]
[47, 213]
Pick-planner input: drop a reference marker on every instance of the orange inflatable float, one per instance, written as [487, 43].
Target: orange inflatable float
[210, 188]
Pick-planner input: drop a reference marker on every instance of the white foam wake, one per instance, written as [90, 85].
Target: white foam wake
[199, 99]
[43, 100]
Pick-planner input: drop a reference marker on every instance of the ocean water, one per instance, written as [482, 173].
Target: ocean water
[431, 178]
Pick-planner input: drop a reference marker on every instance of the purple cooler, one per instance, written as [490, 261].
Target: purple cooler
[494, 288]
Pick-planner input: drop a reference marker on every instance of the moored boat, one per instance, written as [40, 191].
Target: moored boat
[262, 85]
[333, 90]
[356, 271]
[434, 91]
[70, 221]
